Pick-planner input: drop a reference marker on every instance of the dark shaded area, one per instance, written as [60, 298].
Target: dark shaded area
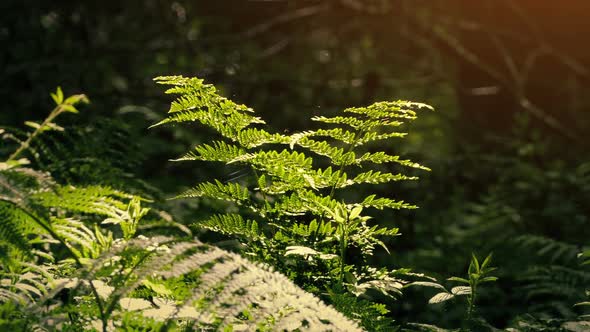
[508, 145]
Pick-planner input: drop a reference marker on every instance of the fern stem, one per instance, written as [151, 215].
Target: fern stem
[266, 203]
[27, 143]
[350, 148]
[344, 239]
[343, 245]
[111, 306]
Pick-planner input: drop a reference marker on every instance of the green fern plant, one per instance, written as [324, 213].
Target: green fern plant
[291, 207]
[553, 279]
[74, 258]
[104, 152]
[46, 225]
[213, 290]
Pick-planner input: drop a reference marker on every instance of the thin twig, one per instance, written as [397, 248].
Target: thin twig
[284, 18]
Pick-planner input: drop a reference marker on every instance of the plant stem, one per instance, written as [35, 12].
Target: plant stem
[343, 245]
[27, 143]
[344, 234]
[350, 148]
[471, 301]
[266, 203]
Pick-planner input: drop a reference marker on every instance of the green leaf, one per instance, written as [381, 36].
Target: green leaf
[69, 108]
[487, 261]
[457, 279]
[427, 284]
[461, 290]
[475, 262]
[300, 251]
[355, 212]
[53, 126]
[232, 224]
[32, 124]
[262, 182]
[488, 279]
[75, 99]
[159, 289]
[58, 96]
[350, 278]
[441, 297]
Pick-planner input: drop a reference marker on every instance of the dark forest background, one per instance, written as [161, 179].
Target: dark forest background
[508, 144]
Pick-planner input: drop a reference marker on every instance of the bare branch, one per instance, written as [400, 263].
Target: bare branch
[284, 18]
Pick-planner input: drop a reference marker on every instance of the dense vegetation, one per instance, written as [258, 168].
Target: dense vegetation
[325, 204]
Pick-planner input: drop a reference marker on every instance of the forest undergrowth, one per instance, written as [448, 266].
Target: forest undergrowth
[282, 233]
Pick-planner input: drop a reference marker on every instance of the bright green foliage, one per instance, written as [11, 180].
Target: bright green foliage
[477, 274]
[43, 222]
[73, 258]
[294, 194]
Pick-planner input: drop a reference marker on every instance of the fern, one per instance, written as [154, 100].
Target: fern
[238, 286]
[79, 247]
[233, 224]
[292, 198]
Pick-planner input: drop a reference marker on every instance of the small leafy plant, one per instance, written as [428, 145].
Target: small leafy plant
[477, 274]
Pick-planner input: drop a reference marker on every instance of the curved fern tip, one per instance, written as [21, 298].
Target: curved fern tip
[159, 123]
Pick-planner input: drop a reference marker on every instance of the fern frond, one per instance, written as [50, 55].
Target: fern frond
[231, 192]
[26, 286]
[357, 124]
[382, 157]
[229, 285]
[83, 242]
[337, 155]
[303, 201]
[254, 137]
[383, 202]
[377, 177]
[218, 151]
[16, 226]
[544, 247]
[289, 186]
[204, 256]
[551, 287]
[386, 109]
[372, 136]
[104, 152]
[274, 160]
[291, 168]
[97, 200]
[320, 230]
[200, 102]
[343, 135]
[8, 295]
[232, 224]
[154, 261]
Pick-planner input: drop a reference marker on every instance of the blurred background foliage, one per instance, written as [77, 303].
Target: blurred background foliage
[508, 145]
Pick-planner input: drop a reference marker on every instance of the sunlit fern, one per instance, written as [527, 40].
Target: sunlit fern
[227, 291]
[71, 259]
[296, 182]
